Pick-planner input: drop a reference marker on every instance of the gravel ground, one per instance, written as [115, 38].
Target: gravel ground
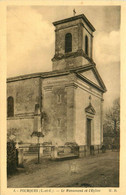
[94, 171]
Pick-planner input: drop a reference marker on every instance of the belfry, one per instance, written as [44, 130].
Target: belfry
[74, 42]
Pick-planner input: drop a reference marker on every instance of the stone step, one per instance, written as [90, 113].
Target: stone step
[65, 157]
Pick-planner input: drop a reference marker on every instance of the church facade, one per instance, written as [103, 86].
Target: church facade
[66, 104]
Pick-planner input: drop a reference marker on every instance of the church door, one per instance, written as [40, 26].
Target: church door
[88, 132]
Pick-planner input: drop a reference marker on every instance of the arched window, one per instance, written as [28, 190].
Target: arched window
[68, 42]
[86, 44]
[10, 106]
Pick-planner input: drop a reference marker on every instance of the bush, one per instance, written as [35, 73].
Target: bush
[11, 157]
[115, 147]
[103, 148]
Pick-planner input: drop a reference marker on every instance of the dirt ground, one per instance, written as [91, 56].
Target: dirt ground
[101, 170]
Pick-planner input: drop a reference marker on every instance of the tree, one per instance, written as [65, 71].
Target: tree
[112, 122]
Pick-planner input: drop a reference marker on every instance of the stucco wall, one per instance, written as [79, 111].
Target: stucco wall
[69, 62]
[60, 39]
[25, 94]
[78, 30]
[54, 110]
[23, 128]
[64, 120]
[54, 122]
[90, 39]
[81, 102]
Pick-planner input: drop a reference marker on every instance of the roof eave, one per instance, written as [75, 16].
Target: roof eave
[102, 89]
[75, 18]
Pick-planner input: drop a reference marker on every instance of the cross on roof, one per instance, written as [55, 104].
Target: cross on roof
[74, 12]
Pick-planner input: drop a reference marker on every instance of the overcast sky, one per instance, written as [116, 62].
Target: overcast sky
[31, 41]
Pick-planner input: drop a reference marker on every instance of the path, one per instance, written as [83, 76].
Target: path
[98, 171]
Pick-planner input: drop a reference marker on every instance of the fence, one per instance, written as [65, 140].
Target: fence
[28, 152]
[47, 151]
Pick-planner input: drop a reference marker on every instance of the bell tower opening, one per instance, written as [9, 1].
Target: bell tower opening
[73, 42]
[68, 42]
[86, 44]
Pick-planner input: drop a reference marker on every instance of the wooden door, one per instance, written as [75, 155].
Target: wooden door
[88, 132]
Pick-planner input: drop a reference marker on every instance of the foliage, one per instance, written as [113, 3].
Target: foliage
[111, 125]
[11, 157]
[112, 118]
[103, 148]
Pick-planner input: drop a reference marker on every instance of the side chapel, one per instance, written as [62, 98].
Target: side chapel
[66, 104]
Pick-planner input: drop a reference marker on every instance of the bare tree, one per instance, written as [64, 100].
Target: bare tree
[112, 122]
[113, 115]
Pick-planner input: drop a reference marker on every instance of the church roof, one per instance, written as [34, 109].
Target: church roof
[37, 75]
[81, 16]
[77, 70]
[99, 84]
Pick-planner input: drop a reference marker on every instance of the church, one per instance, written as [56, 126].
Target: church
[65, 104]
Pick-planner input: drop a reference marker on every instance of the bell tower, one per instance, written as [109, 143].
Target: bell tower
[73, 42]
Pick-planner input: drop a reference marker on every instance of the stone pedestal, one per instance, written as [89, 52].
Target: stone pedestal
[54, 152]
[41, 151]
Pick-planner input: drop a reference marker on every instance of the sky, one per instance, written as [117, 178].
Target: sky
[31, 41]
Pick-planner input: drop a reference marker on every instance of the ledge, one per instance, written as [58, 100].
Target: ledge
[72, 54]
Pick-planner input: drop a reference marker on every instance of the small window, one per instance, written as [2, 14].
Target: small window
[36, 108]
[58, 122]
[10, 106]
[86, 44]
[68, 42]
[59, 98]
